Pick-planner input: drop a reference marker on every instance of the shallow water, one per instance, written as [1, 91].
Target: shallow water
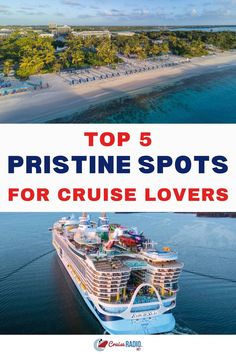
[38, 296]
[209, 98]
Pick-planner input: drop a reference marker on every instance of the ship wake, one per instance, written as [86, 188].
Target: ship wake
[209, 276]
[179, 330]
[25, 265]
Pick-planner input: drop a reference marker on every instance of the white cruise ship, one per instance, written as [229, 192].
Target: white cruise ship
[126, 281]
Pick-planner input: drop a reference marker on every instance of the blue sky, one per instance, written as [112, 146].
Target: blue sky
[118, 12]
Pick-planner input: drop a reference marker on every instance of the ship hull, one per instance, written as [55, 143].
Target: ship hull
[116, 324]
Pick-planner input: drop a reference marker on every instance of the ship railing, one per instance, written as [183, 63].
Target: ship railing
[162, 304]
[165, 302]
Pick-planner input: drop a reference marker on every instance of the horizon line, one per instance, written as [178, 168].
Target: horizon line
[106, 25]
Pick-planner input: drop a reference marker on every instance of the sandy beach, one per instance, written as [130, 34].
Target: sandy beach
[61, 100]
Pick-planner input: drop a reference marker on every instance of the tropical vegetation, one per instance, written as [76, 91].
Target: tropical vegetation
[31, 54]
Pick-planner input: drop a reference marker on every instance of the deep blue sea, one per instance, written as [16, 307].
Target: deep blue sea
[207, 29]
[209, 98]
[188, 28]
[38, 296]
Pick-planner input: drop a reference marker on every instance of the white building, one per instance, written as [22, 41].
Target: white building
[63, 29]
[125, 33]
[52, 26]
[85, 34]
[5, 32]
[157, 41]
[46, 35]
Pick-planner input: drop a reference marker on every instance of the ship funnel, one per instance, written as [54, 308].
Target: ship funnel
[104, 215]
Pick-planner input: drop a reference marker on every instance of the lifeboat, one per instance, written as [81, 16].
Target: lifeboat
[166, 249]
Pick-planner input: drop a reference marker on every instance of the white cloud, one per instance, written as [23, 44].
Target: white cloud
[194, 12]
[5, 10]
[142, 12]
[227, 12]
[74, 3]
[135, 13]
[32, 13]
[112, 13]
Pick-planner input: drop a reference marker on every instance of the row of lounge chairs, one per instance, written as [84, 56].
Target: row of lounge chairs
[5, 84]
[82, 80]
[10, 90]
[127, 70]
[108, 266]
[13, 91]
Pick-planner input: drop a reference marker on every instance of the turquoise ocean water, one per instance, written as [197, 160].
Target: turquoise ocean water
[38, 296]
[209, 98]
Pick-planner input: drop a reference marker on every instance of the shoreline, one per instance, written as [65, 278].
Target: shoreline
[118, 110]
[62, 101]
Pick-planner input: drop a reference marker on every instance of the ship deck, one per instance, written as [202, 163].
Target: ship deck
[110, 265]
[139, 258]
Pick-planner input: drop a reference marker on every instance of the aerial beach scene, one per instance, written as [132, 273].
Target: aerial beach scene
[171, 62]
[46, 287]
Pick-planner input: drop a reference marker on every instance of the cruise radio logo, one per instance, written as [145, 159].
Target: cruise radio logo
[101, 344]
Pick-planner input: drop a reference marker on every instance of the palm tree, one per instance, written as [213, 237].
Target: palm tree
[140, 52]
[165, 48]
[57, 67]
[155, 50]
[106, 51]
[25, 67]
[127, 50]
[7, 66]
[64, 58]
[29, 66]
[88, 42]
[77, 57]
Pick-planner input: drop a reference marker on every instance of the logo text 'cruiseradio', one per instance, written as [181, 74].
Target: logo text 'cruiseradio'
[101, 344]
